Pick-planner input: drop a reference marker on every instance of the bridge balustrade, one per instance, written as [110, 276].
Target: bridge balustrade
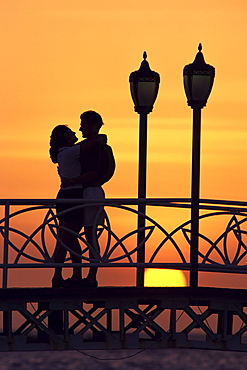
[119, 314]
[29, 230]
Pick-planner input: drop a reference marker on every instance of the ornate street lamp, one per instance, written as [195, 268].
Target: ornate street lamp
[198, 83]
[144, 85]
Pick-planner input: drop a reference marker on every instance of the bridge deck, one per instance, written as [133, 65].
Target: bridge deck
[123, 317]
[141, 294]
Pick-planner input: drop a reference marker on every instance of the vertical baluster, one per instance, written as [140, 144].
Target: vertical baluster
[6, 246]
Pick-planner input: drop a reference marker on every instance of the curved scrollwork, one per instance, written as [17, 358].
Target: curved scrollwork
[114, 244]
[31, 243]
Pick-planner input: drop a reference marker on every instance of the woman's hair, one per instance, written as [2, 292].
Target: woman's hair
[93, 118]
[58, 140]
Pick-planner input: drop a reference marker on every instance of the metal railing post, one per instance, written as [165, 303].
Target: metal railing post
[6, 246]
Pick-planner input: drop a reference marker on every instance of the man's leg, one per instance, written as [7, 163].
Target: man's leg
[93, 216]
[93, 242]
[72, 242]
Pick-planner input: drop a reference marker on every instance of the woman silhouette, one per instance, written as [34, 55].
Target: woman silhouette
[67, 155]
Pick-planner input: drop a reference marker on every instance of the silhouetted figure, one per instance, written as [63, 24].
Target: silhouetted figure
[97, 167]
[68, 156]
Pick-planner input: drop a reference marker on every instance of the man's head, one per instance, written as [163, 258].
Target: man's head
[91, 123]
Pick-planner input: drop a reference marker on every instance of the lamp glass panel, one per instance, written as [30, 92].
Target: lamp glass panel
[186, 87]
[146, 93]
[201, 86]
[133, 93]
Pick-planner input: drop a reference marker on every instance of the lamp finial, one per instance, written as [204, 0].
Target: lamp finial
[200, 47]
[144, 55]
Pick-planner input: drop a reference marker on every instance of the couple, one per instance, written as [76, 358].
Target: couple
[83, 169]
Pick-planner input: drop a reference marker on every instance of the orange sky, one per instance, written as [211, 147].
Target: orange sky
[60, 57]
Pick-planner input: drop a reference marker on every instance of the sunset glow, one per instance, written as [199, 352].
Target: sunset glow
[60, 58]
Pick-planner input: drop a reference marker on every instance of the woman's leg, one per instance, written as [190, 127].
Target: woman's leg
[60, 252]
[59, 255]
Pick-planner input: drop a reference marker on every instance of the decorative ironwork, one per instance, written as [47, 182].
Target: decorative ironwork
[223, 251]
[124, 317]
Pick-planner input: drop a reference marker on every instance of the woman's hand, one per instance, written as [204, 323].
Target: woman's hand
[65, 182]
[102, 138]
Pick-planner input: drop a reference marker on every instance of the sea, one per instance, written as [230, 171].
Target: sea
[168, 359]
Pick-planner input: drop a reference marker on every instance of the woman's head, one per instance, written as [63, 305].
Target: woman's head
[61, 136]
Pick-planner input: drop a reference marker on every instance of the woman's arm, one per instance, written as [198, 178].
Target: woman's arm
[88, 144]
[84, 179]
[89, 176]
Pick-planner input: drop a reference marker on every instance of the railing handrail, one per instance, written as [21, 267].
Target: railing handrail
[204, 204]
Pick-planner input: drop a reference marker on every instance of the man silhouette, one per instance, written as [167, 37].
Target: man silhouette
[97, 167]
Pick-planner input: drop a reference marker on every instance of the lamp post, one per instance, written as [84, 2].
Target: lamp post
[198, 83]
[144, 85]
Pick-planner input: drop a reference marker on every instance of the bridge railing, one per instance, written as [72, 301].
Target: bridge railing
[29, 231]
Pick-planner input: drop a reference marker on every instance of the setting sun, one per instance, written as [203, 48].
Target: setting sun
[164, 278]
